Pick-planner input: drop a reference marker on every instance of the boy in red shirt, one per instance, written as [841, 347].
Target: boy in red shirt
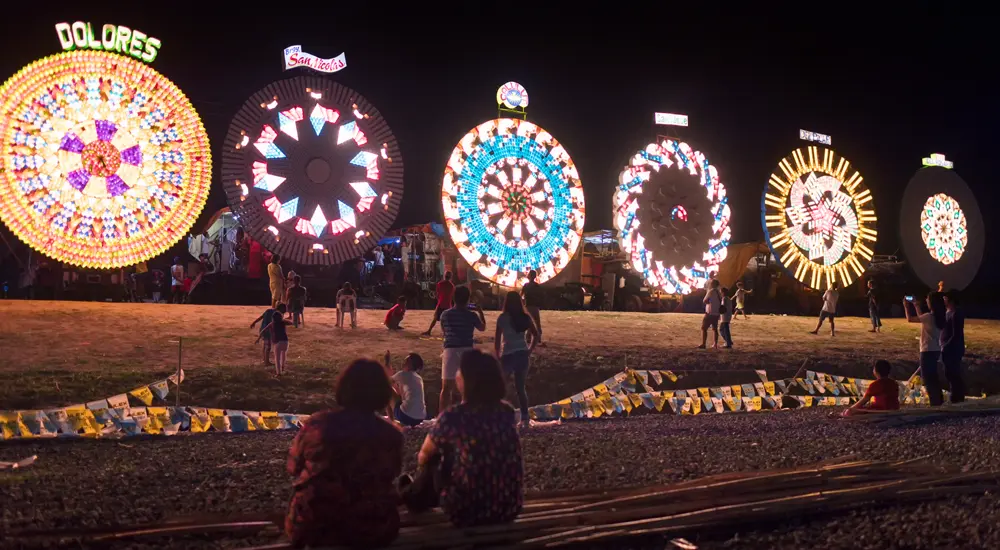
[445, 291]
[395, 315]
[882, 394]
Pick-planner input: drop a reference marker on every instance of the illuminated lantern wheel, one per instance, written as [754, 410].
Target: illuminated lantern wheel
[672, 216]
[941, 228]
[819, 218]
[513, 202]
[312, 170]
[103, 161]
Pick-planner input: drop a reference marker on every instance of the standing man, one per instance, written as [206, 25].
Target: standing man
[830, 298]
[534, 298]
[873, 308]
[459, 324]
[444, 290]
[177, 282]
[713, 310]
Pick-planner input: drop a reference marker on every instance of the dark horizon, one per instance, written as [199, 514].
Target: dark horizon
[889, 93]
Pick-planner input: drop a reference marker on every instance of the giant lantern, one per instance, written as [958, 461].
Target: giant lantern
[104, 163]
[512, 197]
[672, 216]
[311, 168]
[941, 227]
[819, 217]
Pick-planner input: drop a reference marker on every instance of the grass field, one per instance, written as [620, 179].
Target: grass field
[61, 353]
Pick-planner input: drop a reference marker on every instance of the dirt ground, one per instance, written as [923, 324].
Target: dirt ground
[62, 353]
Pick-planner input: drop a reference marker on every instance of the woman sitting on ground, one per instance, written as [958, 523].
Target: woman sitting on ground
[345, 461]
[470, 462]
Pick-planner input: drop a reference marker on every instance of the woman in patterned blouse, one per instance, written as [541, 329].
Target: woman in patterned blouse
[345, 461]
[470, 462]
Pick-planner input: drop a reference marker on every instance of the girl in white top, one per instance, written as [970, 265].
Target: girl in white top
[931, 323]
[410, 409]
[515, 339]
[829, 310]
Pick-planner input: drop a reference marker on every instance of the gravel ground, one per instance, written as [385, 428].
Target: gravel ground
[79, 484]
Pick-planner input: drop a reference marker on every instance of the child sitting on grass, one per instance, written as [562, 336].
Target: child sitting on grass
[408, 387]
[395, 315]
[882, 394]
[265, 332]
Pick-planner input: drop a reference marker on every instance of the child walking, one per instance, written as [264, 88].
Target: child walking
[265, 335]
[295, 297]
[740, 298]
[410, 409]
[395, 315]
[277, 329]
[726, 318]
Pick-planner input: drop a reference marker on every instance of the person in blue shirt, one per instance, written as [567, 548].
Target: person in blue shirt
[953, 345]
[459, 324]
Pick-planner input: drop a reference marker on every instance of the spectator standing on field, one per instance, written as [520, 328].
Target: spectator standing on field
[931, 323]
[713, 309]
[295, 297]
[534, 299]
[829, 310]
[177, 282]
[445, 291]
[873, 308]
[513, 343]
[459, 325]
[953, 345]
[276, 280]
[725, 318]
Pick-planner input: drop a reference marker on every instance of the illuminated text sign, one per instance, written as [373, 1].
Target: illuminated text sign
[670, 119]
[813, 136]
[295, 57]
[112, 38]
[512, 96]
[937, 159]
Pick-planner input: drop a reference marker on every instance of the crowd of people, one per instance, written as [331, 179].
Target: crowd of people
[347, 461]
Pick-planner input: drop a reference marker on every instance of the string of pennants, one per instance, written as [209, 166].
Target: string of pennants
[116, 417]
[633, 389]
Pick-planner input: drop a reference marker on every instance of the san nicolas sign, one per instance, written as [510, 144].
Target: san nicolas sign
[295, 57]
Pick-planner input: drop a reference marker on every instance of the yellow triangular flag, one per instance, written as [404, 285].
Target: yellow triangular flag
[143, 394]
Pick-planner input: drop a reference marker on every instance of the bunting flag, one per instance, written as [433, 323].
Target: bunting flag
[630, 391]
[114, 416]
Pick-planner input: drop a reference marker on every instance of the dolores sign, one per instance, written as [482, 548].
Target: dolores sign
[112, 38]
[295, 57]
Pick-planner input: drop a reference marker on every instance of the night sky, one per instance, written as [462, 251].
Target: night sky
[889, 91]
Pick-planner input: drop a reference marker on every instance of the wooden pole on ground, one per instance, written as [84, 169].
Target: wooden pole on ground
[180, 347]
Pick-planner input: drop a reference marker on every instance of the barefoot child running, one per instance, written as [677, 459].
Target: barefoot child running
[265, 335]
[740, 298]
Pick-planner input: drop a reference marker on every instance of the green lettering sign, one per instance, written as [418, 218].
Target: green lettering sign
[110, 38]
